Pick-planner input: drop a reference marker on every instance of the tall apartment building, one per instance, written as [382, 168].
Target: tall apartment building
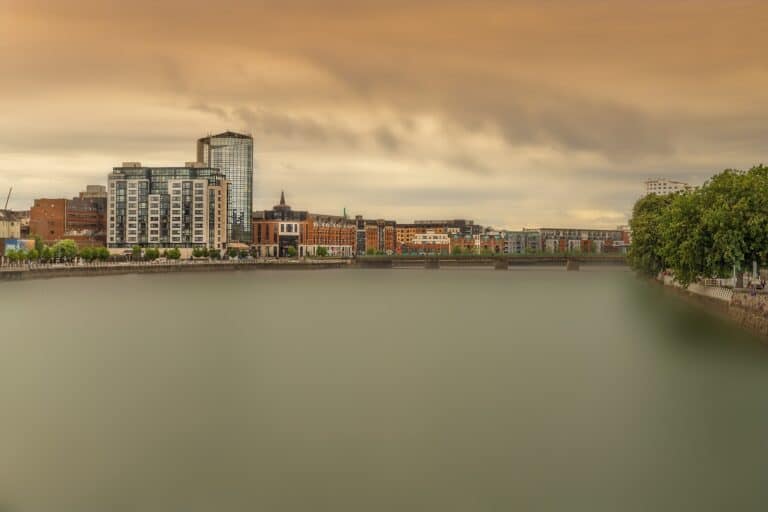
[664, 186]
[167, 206]
[232, 154]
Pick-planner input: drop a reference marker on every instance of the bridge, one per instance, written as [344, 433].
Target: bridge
[501, 262]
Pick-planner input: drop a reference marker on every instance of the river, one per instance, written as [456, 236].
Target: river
[376, 390]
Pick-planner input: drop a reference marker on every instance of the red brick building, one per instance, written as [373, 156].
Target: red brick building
[278, 229]
[82, 219]
[376, 236]
[47, 219]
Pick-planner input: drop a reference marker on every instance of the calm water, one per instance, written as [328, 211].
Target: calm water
[368, 390]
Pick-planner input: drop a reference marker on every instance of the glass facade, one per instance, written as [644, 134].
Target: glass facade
[232, 153]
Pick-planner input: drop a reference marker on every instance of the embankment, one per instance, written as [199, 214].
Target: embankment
[111, 270]
[747, 308]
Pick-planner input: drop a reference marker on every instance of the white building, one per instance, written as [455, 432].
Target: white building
[664, 186]
[431, 238]
[165, 207]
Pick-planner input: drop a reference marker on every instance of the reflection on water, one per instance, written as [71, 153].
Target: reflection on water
[379, 390]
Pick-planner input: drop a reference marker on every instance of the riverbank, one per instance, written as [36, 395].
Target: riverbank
[111, 269]
[746, 308]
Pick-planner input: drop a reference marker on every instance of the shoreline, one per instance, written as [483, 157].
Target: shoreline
[737, 306]
[109, 269]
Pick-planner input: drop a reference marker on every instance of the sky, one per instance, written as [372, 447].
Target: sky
[512, 113]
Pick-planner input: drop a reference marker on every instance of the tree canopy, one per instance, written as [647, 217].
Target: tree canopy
[704, 232]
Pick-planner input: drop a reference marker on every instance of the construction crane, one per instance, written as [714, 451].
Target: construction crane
[8, 198]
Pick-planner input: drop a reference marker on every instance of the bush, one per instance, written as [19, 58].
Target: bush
[151, 254]
[291, 251]
[322, 252]
[173, 254]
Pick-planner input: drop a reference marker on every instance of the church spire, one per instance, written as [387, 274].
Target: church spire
[282, 198]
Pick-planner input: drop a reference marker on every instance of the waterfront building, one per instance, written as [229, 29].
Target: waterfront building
[406, 233]
[527, 241]
[10, 225]
[47, 219]
[556, 240]
[429, 242]
[82, 219]
[664, 186]
[167, 207]
[232, 154]
[278, 230]
[378, 236]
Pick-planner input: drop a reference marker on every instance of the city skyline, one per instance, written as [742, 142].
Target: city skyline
[513, 114]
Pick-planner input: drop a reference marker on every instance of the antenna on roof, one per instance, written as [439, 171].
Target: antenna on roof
[8, 198]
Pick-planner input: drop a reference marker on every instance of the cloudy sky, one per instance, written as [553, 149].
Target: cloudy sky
[515, 113]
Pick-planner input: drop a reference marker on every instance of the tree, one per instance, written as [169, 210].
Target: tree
[233, 252]
[151, 254]
[102, 253]
[38, 244]
[136, 252]
[322, 252]
[291, 251]
[214, 254]
[46, 254]
[173, 254]
[197, 253]
[86, 254]
[64, 250]
[645, 253]
[33, 255]
[456, 250]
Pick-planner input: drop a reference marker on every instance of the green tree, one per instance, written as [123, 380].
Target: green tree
[102, 253]
[456, 250]
[173, 254]
[46, 254]
[39, 244]
[136, 253]
[214, 254]
[645, 254]
[197, 253]
[151, 254]
[291, 251]
[232, 252]
[322, 252]
[64, 250]
[86, 254]
[33, 255]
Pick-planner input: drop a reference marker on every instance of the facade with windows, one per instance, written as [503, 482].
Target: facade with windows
[232, 154]
[527, 241]
[284, 232]
[560, 240]
[166, 207]
[377, 236]
[664, 186]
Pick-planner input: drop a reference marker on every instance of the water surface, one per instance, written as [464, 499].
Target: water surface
[375, 390]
